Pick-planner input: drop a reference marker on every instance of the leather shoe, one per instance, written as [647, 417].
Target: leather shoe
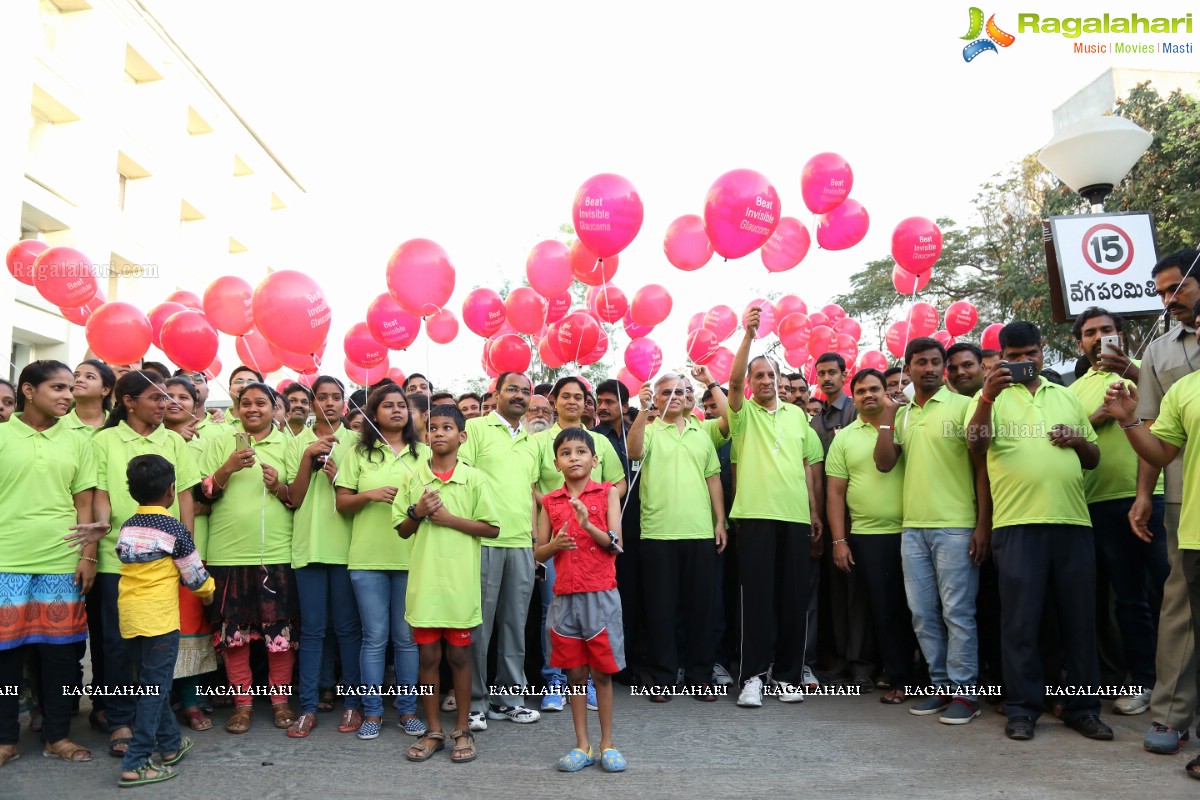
[1091, 727]
[1019, 728]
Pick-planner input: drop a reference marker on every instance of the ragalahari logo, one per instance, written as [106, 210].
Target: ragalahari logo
[995, 36]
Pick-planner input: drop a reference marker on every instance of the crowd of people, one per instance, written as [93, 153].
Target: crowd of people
[959, 529]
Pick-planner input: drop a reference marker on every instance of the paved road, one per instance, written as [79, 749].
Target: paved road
[846, 747]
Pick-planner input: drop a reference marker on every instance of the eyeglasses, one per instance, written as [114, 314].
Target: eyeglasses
[515, 390]
[241, 382]
[198, 378]
[669, 392]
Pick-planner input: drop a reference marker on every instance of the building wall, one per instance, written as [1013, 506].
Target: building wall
[1100, 96]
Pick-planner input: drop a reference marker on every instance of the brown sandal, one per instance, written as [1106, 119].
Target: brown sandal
[239, 721]
[284, 716]
[8, 752]
[67, 751]
[423, 752]
[302, 726]
[352, 720]
[467, 751]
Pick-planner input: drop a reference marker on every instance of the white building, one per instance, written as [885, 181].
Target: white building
[1100, 96]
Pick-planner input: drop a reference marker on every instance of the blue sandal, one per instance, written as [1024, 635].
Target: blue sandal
[611, 760]
[576, 760]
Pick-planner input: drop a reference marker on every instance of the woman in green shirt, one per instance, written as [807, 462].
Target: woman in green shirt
[8, 400]
[93, 393]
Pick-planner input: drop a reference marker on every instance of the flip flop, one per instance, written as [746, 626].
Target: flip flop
[185, 744]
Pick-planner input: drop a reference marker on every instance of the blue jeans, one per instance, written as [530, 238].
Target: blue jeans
[941, 581]
[551, 675]
[380, 595]
[154, 727]
[325, 591]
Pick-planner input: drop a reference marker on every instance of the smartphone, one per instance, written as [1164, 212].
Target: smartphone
[1022, 371]
[243, 441]
[1110, 344]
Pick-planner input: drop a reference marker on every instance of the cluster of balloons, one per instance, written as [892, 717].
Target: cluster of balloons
[922, 320]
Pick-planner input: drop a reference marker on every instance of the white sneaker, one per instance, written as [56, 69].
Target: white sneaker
[790, 693]
[751, 695]
[810, 679]
[519, 714]
[1132, 704]
[721, 676]
[476, 721]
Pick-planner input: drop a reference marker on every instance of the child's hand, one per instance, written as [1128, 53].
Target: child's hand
[441, 516]
[430, 502]
[208, 599]
[580, 512]
[563, 540]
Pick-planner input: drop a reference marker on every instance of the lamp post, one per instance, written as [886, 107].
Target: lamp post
[1095, 155]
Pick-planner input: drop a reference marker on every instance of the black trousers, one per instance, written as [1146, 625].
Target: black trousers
[59, 667]
[680, 581]
[881, 573]
[1036, 563]
[773, 564]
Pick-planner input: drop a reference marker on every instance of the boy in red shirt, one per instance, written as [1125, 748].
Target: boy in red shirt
[580, 526]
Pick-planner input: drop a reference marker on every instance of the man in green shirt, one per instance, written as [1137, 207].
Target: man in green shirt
[1038, 441]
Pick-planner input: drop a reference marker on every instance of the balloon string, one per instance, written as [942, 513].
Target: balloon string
[908, 317]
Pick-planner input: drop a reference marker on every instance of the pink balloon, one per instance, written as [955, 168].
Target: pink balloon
[695, 322]
[557, 307]
[741, 212]
[597, 352]
[607, 214]
[722, 321]
[721, 365]
[633, 330]
[510, 353]
[651, 304]
[588, 267]
[702, 345]
[291, 312]
[391, 325]
[20, 258]
[961, 317]
[65, 277]
[906, 283]
[643, 358]
[396, 374]
[483, 312]
[80, 315]
[301, 362]
[118, 333]
[834, 313]
[766, 317]
[897, 338]
[844, 226]
[916, 244]
[846, 346]
[159, 315]
[548, 268]
[229, 305]
[607, 302]
[547, 355]
[362, 348]
[794, 331]
[872, 359]
[821, 340]
[787, 246]
[818, 318]
[442, 327]
[366, 376]
[578, 333]
[186, 299]
[923, 319]
[686, 244]
[826, 182]
[849, 327]
[189, 340]
[525, 310]
[631, 383]
[789, 304]
[213, 369]
[944, 337]
[797, 358]
[255, 352]
[991, 337]
[420, 277]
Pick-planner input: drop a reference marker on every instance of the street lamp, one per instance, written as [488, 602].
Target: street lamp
[1095, 155]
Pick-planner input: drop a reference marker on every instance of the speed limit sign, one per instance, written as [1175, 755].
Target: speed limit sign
[1104, 260]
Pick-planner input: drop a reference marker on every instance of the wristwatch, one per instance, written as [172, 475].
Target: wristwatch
[412, 514]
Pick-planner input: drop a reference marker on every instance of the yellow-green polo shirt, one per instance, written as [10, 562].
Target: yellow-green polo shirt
[443, 578]
[74, 423]
[814, 452]
[248, 525]
[511, 466]
[40, 474]
[939, 481]
[374, 543]
[114, 449]
[195, 448]
[675, 468]
[1033, 482]
[320, 535]
[1116, 476]
[713, 428]
[876, 499]
[1179, 420]
[608, 468]
[209, 428]
[771, 451]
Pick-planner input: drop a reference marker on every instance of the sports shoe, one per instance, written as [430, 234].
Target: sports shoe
[519, 714]
[751, 694]
[933, 704]
[790, 693]
[810, 679]
[476, 721]
[368, 730]
[960, 712]
[591, 696]
[553, 700]
[721, 676]
[1132, 704]
[412, 726]
[1163, 740]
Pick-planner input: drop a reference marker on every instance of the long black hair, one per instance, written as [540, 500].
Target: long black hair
[371, 437]
[132, 384]
[108, 379]
[35, 374]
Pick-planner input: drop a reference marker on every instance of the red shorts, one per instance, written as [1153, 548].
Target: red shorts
[458, 637]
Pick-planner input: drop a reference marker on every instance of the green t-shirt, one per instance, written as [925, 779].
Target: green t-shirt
[771, 454]
[713, 428]
[74, 423]
[248, 525]
[114, 449]
[1116, 476]
[674, 494]
[939, 480]
[875, 499]
[511, 466]
[1033, 482]
[443, 580]
[814, 452]
[1179, 420]
[195, 449]
[320, 534]
[40, 474]
[608, 468]
[374, 543]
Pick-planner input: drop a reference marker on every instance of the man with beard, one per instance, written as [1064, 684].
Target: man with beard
[540, 415]
[964, 368]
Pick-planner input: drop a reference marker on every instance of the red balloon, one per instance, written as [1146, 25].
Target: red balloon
[364, 376]
[898, 337]
[722, 321]
[597, 352]
[118, 333]
[557, 307]
[818, 318]
[944, 337]
[420, 277]
[916, 244]
[548, 268]
[686, 244]
[789, 304]
[651, 304]
[547, 355]
[961, 318]
[362, 348]
[848, 326]
[213, 369]
[483, 312]
[846, 346]
[844, 226]
[695, 322]
[607, 214]
[643, 358]
[578, 333]
[588, 267]
[821, 340]
[65, 277]
[825, 182]
[80, 315]
[397, 375]
[991, 337]
[787, 246]
[391, 325]
[255, 352]
[633, 330]
[525, 309]
[291, 312]
[833, 312]
[301, 362]
[509, 353]
[741, 211]
[442, 327]
[906, 283]
[721, 364]
[189, 340]
[631, 383]
[283, 384]
[186, 299]
[702, 345]
[607, 302]
[923, 319]
[20, 258]
[794, 331]
[229, 305]
[159, 315]
[872, 359]
[797, 358]
[766, 317]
